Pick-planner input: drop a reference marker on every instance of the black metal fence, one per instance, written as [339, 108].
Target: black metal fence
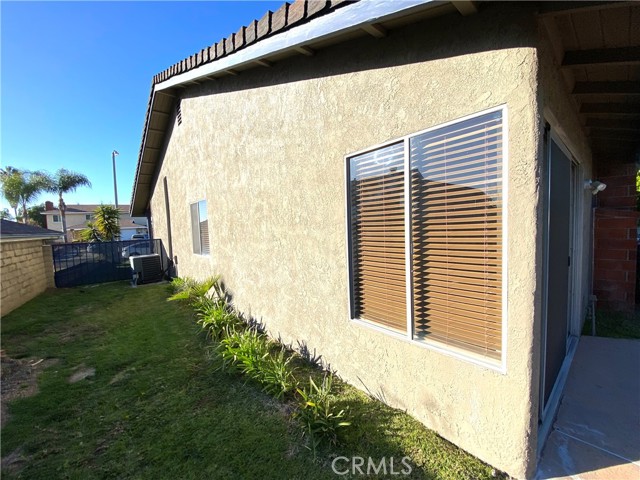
[86, 263]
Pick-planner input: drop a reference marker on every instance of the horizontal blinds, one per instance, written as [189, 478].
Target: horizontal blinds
[204, 237]
[456, 229]
[377, 230]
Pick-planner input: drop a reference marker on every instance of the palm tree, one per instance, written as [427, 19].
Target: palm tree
[65, 181]
[107, 222]
[11, 186]
[21, 187]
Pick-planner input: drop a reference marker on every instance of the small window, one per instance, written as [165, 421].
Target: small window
[56, 218]
[200, 228]
[87, 217]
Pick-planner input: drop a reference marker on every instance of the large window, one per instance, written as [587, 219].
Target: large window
[426, 235]
[200, 228]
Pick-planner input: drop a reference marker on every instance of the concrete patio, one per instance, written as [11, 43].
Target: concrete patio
[596, 434]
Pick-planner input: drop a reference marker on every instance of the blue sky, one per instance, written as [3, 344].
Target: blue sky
[75, 80]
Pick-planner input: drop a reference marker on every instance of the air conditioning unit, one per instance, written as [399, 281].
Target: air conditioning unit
[146, 268]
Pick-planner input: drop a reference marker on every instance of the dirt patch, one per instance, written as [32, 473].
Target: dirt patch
[14, 462]
[81, 372]
[120, 376]
[19, 379]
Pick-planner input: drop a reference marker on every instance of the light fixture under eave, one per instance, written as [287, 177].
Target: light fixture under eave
[595, 186]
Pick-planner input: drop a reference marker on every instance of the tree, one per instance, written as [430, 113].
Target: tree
[21, 187]
[90, 234]
[106, 226]
[5, 214]
[11, 185]
[107, 222]
[35, 216]
[65, 181]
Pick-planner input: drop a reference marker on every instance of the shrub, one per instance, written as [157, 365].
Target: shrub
[319, 417]
[277, 375]
[242, 350]
[250, 353]
[195, 293]
[215, 318]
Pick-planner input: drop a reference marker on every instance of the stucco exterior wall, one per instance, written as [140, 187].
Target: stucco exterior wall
[267, 151]
[26, 271]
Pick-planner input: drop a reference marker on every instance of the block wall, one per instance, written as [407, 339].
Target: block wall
[26, 270]
[615, 242]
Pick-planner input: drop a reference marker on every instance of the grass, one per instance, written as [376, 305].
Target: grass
[614, 325]
[158, 408]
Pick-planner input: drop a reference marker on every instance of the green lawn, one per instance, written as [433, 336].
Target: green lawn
[157, 408]
[614, 325]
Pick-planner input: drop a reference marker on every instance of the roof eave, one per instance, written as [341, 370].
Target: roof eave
[352, 17]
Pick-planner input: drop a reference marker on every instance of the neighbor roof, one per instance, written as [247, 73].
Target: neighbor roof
[9, 229]
[90, 208]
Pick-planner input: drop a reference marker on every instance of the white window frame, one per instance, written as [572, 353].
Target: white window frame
[450, 350]
[196, 225]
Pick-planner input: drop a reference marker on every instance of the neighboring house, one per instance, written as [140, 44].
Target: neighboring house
[78, 216]
[402, 188]
[26, 263]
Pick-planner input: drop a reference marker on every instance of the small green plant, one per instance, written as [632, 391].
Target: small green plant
[318, 416]
[250, 353]
[215, 318]
[276, 374]
[243, 350]
[196, 293]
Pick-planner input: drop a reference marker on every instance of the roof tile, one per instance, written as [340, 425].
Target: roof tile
[250, 32]
[264, 25]
[228, 44]
[315, 6]
[220, 49]
[297, 11]
[279, 18]
[239, 38]
[15, 229]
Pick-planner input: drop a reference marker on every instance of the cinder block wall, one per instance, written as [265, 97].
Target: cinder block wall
[26, 270]
[616, 221]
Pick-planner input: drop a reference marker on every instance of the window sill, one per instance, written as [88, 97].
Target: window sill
[498, 366]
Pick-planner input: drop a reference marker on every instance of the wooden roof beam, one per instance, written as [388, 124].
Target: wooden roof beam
[375, 30]
[614, 124]
[304, 50]
[466, 7]
[606, 88]
[617, 109]
[602, 56]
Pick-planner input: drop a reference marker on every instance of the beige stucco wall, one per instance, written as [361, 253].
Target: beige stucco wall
[266, 150]
[26, 270]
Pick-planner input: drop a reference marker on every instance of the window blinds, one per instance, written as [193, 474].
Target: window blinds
[456, 184]
[455, 231]
[377, 229]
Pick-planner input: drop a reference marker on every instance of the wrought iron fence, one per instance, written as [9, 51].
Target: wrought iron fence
[99, 262]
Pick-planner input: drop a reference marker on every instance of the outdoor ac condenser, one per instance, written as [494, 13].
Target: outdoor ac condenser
[146, 268]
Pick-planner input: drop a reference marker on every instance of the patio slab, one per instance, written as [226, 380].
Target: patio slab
[596, 434]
